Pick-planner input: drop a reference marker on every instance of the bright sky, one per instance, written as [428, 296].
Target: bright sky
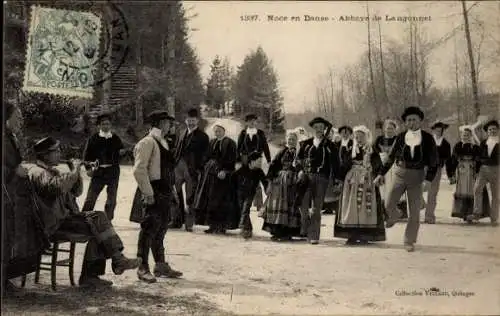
[302, 51]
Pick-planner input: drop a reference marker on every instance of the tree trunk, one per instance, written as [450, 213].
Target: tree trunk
[139, 111]
[371, 66]
[459, 110]
[417, 66]
[332, 92]
[475, 93]
[381, 55]
[172, 28]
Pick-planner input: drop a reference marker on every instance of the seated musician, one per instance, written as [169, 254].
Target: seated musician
[54, 194]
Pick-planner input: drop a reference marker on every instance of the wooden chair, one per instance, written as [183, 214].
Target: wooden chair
[56, 240]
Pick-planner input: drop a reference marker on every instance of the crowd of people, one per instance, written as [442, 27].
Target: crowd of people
[187, 179]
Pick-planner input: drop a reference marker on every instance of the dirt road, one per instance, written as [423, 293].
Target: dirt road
[226, 275]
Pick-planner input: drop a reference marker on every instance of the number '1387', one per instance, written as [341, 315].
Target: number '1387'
[249, 18]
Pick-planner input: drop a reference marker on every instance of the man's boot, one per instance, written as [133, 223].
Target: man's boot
[93, 281]
[121, 263]
[145, 275]
[163, 269]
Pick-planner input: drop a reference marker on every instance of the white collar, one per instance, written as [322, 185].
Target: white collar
[412, 139]
[344, 142]
[191, 130]
[251, 131]
[438, 140]
[105, 135]
[317, 141]
[492, 140]
[158, 135]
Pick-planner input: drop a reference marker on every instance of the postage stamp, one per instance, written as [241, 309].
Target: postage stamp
[62, 52]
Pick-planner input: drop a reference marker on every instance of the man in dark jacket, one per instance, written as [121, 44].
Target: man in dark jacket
[190, 155]
[107, 147]
[414, 152]
[252, 139]
[317, 160]
[488, 173]
[444, 160]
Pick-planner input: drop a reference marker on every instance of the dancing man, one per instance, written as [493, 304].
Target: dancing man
[488, 173]
[317, 159]
[413, 152]
[154, 172]
[106, 147]
[444, 160]
[190, 155]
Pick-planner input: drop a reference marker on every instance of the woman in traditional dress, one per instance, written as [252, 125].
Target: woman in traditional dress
[281, 215]
[215, 202]
[360, 219]
[464, 168]
[383, 145]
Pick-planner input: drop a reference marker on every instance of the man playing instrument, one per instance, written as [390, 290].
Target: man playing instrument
[54, 194]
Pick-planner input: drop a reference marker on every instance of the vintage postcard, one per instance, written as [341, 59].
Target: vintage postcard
[258, 158]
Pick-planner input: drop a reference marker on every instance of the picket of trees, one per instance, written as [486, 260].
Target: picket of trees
[219, 85]
[252, 88]
[256, 90]
[393, 74]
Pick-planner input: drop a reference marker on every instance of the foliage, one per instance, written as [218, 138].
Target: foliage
[255, 89]
[218, 91]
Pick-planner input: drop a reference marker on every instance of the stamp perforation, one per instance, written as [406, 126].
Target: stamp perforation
[70, 92]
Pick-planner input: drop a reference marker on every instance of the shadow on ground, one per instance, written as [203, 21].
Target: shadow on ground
[129, 300]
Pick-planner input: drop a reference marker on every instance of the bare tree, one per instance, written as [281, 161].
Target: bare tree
[475, 92]
[372, 80]
[382, 70]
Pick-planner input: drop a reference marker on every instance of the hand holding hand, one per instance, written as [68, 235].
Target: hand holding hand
[21, 171]
[148, 199]
[453, 180]
[221, 175]
[426, 186]
[77, 163]
[379, 180]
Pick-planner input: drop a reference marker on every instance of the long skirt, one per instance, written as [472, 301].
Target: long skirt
[281, 216]
[463, 198]
[361, 214]
[216, 200]
[333, 192]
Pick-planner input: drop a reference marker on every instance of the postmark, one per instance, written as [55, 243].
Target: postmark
[71, 52]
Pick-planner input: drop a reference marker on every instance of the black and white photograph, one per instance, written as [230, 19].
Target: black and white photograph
[250, 158]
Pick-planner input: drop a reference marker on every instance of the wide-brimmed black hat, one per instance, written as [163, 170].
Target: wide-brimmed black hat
[254, 156]
[440, 124]
[412, 110]
[491, 123]
[319, 120]
[250, 116]
[192, 112]
[45, 145]
[103, 116]
[159, 115]
[345, 127]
